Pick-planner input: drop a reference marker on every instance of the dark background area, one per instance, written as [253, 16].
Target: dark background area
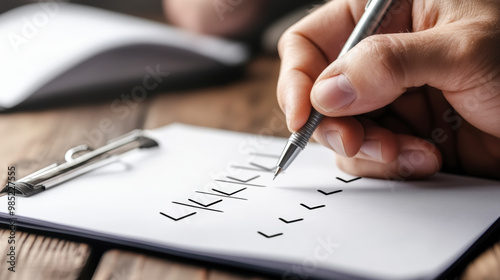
[151, 9]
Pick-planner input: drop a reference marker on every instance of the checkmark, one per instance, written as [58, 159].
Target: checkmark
[239, 183]
[197, 207]
[205, 205]
[268, 169]
[292, 221]
[229, 194]
[220, 195]
[243, 181]
[329, 193]
[255, 167]
[313, 207]
[177, 219]
[348, 181]
[269, 236]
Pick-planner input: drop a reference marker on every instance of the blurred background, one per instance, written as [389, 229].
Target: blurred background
[258, 22]
[151, 9]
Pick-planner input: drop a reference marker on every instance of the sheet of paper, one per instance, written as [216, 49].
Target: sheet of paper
[210, 193]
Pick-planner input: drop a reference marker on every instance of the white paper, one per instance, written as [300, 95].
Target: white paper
[370, 228]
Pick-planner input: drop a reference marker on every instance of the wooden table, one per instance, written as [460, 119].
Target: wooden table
[34, 139]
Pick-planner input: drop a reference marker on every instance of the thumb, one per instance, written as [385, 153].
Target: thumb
[380, 68]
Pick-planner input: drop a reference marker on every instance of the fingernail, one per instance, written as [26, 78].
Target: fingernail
[373, 149]
[412, 161]
[334, 93]
[335, 141]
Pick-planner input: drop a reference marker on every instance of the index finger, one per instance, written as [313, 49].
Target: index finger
[306, 49]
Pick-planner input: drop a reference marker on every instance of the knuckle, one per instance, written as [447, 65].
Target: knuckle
[474, 54]
[468, 46]
[387, 52]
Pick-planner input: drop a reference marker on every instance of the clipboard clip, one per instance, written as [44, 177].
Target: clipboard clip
[74, 165]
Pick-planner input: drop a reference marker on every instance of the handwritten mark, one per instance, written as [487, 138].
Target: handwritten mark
[263, 167]
[243, 181]
[229, 194]
[292, 221]
[193, 206]
[312, 208]
[348, 181]
[269, 236]
[220, 195]
[177, 219]
[329, 193]
[256, 167]
[205, 205]
[238, 183]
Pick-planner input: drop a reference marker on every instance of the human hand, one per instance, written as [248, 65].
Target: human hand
[434, 74]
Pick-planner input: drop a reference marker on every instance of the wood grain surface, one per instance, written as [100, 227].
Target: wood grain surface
[41, 257]
[117, 264]
[34, 139]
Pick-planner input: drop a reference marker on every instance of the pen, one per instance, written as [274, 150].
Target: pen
[375, 11]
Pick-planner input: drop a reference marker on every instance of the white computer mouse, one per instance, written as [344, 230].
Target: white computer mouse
[58, 52]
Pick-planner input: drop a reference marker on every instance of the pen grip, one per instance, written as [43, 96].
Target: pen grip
[302, 136]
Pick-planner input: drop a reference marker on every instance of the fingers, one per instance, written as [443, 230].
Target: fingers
[363, 139]
[305, 52]
[382, 67]
[416, 159]
[368, 150]
[309, 46]
[342, 135]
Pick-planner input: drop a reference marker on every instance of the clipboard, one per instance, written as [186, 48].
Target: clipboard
[209, 195]
[74, 165]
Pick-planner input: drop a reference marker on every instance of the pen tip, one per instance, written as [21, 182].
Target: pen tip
[277, 172]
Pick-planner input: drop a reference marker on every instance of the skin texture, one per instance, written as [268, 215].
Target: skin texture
[421, 96]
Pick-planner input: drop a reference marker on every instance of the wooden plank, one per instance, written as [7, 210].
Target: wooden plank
[116, 264]
[248, 105]
[35, 139]
[123, 265]
[39, 257]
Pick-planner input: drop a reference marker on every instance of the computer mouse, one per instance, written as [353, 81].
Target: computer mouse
[57, 52]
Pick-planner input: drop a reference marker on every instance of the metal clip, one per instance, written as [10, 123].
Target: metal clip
[74, 166]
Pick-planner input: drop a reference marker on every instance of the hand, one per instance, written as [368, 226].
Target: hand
[422, 96]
